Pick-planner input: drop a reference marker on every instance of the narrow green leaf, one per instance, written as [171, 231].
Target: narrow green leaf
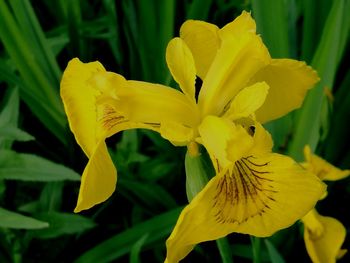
[273, 28]
[29, 167]
[74, 21]
[338, 141]
[245, 251]
[153, 195]
[41, 78]
[136, 249]
[314, 13]
[256, 247]
[275, 256]
[225, 250]
[32, 31]
[14, 134]
[51, 197]
[325, 61]
[62, 224]
[14, 220]
[199, 9]
[9, 118]
[158, 228]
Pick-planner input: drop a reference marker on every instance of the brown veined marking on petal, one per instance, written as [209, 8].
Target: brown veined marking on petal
[245, 185]
[153, 124]
[226, 107]
[110, 118]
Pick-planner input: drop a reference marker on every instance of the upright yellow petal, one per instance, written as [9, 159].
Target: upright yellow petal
[181, 65]
[323, 237]
[98, 180]
[242, 24]
[289, 80]
[235, 63]
[263, 142]
[247, 101]
[79, 102]
[202, 39]
[224, 141]
[257, 195]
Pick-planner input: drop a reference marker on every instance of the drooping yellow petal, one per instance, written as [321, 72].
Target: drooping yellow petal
[323, 237]
[224, 141]
[181, 65]
[100, 104]
[257, 195]
[235, 63]
[242, 24]
[247, 101]
[202, 39]
[289, 80]
[79, 102]
[323, 169]
[98, 180]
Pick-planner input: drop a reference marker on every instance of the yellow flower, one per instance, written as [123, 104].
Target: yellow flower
[254, 191]
[323, 235]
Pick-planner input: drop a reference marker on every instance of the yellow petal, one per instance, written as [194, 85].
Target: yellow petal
[323, 169]
[153, 104]
[289, 80]
[323, 246]
[242, 24]
[235, 63]
[247, 101]
[100, 104]
[258, 195]
[224, 141]
[263, 142]
[202, 39]
[79, 102]
[181, 65]
[98, 180]
[177, 134]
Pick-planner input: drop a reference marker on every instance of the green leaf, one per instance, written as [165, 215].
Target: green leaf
[275, 256]
[152, 195]
[9, 119]
[158, 228]
[14, 134]
[325, 61]
[199, 9]
[25, 42]
[29, 167]
[273, 28]
[62, 224]
[14, 220]
[136, 249]
[225, 250]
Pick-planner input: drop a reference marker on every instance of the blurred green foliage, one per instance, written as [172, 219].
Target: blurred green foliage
[40, 162]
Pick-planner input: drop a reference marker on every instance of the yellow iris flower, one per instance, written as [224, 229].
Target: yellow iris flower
[254, 191]
[323, 235]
